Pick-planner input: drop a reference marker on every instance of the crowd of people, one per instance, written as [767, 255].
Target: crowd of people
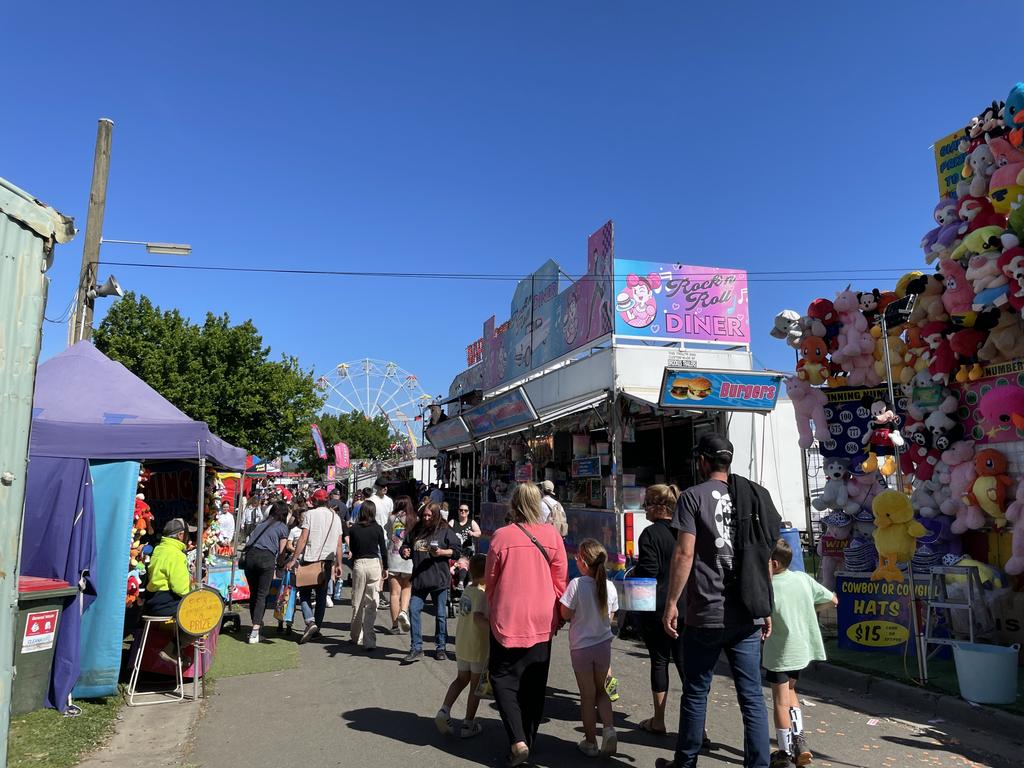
[723, 586]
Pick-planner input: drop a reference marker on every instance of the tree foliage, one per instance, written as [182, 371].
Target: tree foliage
[215, 372]
[366, 439]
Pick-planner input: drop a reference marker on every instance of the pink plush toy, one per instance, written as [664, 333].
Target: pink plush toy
[959, 476]
[862, 489]
[855, 348]
[1015, 514]
[958, 296]
[809, 405]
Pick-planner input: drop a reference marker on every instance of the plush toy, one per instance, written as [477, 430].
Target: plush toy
[965, 345]
[941, 359]
[855, 346]
[882, 434]
[928, 306]
[979, 167]
[862, 488]
[896, 534]
[1006, 189]
[960, 477]
[988, 492]
[813, 366]
[1015, 514]
[835, 495]
[832, 545]
[982, 240]
[920, 457]
[984, 127]
[924, 397]
[1002, 408]
[957, 295]
[915, 358]
[809, 406]
[1011, 262]
[1013, 114]
[938, 243]
[1005, 341]
[977, 212]
[868, 303]
[787, 327]
[925, 501]
[822, 316]
[943, 430]
[897, 354]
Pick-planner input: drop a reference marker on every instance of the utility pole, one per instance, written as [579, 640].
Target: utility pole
[81, 327]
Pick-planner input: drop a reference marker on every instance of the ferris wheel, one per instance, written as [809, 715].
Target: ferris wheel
[374, 387]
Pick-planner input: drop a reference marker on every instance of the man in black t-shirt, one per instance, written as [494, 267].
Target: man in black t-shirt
[706, 565]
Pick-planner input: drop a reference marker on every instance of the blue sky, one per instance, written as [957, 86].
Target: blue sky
[485, 137]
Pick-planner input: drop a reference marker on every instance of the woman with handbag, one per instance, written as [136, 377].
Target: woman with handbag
[259, 559]
[526, 576]
[403, 518]
[318, 548]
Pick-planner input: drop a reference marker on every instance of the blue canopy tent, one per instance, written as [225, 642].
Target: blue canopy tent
[93, 421]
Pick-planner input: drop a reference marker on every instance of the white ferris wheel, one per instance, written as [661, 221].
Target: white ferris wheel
[375, 387]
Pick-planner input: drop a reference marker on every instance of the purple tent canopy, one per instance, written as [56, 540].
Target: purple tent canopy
[88, 406]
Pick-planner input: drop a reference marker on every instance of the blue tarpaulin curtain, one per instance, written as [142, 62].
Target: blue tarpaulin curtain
[113, 490]
[59, 542]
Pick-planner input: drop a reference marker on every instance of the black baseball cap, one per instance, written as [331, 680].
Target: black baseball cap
[713, 446]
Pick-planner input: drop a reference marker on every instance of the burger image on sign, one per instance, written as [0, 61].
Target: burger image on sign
[696, 388]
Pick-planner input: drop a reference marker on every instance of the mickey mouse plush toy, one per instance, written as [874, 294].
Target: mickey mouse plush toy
[882, 433]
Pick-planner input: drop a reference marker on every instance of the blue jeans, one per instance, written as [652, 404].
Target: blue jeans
[308, 613]
[440, 600]
[701, 649]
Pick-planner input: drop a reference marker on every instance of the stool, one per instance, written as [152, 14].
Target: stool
[136, 699]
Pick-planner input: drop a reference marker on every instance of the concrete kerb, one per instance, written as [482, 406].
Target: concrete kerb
[929, 703]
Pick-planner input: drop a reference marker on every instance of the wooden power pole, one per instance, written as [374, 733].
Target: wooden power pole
[82, 321]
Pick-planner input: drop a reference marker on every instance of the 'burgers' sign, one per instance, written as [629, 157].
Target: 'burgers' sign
[720, 390]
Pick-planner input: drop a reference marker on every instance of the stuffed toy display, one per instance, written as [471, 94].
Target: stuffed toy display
[809, 406]
[953, 360]
[832, 546]
[896, 534]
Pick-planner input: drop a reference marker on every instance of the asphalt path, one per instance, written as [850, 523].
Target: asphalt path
[344, 707]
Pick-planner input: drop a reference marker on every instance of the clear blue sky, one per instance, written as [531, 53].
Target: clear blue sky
[486, 137]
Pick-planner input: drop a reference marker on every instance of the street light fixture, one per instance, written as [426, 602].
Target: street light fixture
[168, 249]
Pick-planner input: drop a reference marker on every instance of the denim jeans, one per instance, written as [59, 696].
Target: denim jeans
[701, 649]
[308, 613]
[440, 600]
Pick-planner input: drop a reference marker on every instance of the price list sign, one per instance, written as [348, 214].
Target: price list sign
[875, 615]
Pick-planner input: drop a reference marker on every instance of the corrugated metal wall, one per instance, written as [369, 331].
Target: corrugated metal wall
[28, 231]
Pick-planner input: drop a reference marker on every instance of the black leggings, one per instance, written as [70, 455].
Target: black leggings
[260, 565]
[519, 678]
[662, 649]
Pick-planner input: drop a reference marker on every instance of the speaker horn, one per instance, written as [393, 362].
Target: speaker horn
[110, 288]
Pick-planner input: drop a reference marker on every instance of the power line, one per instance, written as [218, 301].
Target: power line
[785, 276]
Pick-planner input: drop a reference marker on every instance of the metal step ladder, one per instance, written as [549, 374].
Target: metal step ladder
[941, 606]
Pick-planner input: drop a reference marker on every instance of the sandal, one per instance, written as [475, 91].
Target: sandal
[646, 725]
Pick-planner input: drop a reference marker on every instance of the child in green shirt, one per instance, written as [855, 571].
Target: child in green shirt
[795, 641]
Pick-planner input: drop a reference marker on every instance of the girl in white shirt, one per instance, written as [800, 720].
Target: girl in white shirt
[589, 603]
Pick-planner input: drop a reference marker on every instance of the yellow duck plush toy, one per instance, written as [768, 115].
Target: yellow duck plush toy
[896, 534]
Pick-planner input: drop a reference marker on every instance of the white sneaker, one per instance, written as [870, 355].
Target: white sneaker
[403, 621]
[609, 741]
[254, 637]
[443, 721]
[330, 603]
[589, 748]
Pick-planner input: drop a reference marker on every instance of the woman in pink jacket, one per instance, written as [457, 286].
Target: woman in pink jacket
[526, 575]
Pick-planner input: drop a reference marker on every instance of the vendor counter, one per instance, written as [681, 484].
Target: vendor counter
[584, 523]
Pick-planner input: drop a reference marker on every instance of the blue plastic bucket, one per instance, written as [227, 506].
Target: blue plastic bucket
[987, 673]
[640, 595]
[792, 537]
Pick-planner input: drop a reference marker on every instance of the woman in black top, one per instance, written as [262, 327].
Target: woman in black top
[467, 532]
[263, 548]
[655, 547]
[369, 554]
[430, 544]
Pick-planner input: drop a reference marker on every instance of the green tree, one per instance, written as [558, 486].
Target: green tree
[215, 372]
[366, 439]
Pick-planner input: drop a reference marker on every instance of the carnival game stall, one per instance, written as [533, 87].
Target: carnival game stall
[101, 441]
[913, 394]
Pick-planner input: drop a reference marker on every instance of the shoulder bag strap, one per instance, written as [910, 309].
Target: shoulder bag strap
[256, 538]
[536, 543]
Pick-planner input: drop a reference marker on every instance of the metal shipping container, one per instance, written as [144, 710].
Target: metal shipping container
[28, 232]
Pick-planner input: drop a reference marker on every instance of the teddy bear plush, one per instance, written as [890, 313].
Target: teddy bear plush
[896, 534]
[861, 489]
[959, 477]
[928, 306]
[1015, 514]
[925, 499]
[809, 407]
[1005, 341]
[855, 346]
[897, 353]
[835, 494]
[832, 545]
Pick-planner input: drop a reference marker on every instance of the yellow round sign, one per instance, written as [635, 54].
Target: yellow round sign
[878, 634]
[200, 611]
